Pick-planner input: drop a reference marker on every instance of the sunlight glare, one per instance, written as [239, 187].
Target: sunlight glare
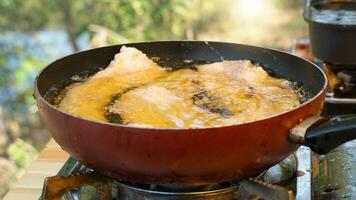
[251, 9]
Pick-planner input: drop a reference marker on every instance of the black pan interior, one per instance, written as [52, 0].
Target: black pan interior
[279, 63]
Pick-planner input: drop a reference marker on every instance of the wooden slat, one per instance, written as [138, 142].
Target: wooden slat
[23, 193]
[52, 143]
[48, 163]
[52, 154]
[46, 167]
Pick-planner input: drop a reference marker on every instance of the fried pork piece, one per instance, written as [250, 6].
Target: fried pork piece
[237, 70]
[247, 90]
[167, 103]
[130, 68]
[153, 106]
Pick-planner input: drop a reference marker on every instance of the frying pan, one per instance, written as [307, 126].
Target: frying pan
[193, 155]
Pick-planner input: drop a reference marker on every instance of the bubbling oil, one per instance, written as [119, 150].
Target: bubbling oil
[185, 98]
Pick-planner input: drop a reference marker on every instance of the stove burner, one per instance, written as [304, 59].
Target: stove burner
[156, 192]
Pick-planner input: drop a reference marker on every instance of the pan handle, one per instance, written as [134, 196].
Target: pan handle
[322, 134]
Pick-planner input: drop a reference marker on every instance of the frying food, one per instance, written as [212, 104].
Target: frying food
[130, 68]
[136, 91]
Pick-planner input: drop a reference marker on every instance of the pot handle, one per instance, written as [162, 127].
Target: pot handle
[322, 134]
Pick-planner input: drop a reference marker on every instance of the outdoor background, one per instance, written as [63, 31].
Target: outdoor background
[35, 32]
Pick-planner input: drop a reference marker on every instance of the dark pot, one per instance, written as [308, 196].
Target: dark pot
[332, 38]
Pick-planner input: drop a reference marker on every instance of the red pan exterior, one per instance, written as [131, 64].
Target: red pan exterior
[190, 156]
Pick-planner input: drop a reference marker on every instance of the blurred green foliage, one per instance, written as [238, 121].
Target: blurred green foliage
[22, 153]
[133, 19]
[28, 16]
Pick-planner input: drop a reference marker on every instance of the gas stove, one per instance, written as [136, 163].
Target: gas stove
[286, 180]
[302, 176]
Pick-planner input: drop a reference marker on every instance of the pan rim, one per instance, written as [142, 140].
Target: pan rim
[42, 99]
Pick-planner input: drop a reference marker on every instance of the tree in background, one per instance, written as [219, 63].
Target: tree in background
[129, 19]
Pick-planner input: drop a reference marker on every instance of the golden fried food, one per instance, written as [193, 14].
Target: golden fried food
[130, 68]
[138, 92]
